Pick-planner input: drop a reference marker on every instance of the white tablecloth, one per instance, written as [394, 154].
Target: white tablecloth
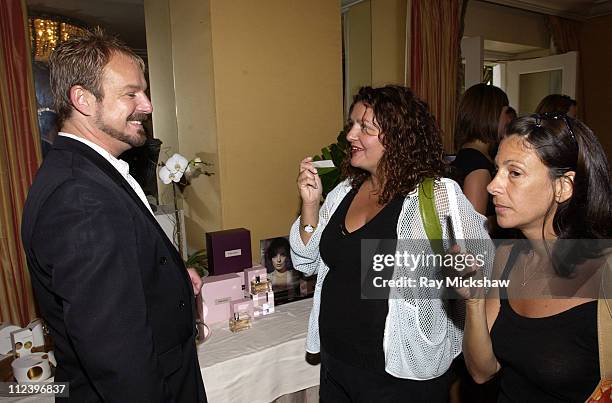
[256, 365]
[262, 363]
[30, 399]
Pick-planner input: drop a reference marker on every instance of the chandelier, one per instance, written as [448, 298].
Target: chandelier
[46, 32]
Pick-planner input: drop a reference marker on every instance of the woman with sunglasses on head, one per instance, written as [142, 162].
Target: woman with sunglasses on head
[540, 333]
[391, 346]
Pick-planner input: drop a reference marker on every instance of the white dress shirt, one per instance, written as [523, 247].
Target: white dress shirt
[121, 166]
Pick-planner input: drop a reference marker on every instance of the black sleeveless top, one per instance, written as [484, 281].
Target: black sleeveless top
[550, 359]
[353, 314]
[467, 161]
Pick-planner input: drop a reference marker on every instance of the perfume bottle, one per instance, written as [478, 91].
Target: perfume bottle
[263, 304]
[240, 322]
[258, 286]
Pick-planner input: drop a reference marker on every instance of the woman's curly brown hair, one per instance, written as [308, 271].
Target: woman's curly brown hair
[411, 139]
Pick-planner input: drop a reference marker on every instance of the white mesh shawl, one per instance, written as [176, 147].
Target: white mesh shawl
[420, 339]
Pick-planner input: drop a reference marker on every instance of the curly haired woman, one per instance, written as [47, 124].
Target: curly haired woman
[381, 344]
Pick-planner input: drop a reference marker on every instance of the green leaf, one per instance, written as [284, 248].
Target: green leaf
[326, 153]
[336, 152]
[199, 261]
[329, 179]
[324, 171]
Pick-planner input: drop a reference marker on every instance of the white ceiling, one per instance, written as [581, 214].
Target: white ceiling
[574, 9]
[509, 48]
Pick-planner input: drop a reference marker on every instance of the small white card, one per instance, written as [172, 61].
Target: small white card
[233, 252]
[323, 164]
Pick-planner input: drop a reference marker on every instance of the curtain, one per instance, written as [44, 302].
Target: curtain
[20, 157]
[436, 28]
[565, 35]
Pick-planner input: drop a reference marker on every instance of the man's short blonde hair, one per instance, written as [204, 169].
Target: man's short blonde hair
[80, 61]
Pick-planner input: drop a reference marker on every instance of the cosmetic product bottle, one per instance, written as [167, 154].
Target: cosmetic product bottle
[240, 322]
[258, 286]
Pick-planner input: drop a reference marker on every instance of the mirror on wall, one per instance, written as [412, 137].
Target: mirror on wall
[530, 80]
[535, 86]
[356, 48]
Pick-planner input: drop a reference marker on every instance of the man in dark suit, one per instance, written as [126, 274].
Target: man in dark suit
[111, 286]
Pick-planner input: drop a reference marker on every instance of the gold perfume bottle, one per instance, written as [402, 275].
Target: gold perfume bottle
[258, 286]
[240, 322]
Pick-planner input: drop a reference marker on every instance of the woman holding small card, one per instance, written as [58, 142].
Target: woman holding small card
[381, 343]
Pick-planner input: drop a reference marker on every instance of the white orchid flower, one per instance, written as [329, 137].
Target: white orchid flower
[177, 163]
[165, 175]
[174, 169]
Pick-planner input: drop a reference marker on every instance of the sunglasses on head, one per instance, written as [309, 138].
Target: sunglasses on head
[539, 117]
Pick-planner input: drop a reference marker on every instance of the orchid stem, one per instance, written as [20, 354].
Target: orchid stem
[177, 216]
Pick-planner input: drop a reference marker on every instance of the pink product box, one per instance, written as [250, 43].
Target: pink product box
[250, 274]
[217, 294]
[263, 304]
[240, 307]
[229, 251]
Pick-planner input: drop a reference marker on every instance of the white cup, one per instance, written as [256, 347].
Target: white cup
[32, 368]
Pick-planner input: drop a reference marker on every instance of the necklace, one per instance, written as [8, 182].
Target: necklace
[533, 273]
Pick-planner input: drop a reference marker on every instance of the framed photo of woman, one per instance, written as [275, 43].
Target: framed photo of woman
[288, 284]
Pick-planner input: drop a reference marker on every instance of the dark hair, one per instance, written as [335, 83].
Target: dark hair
[555, 103]
[80, 60]
[478, 115]
[564, 144]
[411, 139]
[277, 245]
[510, 111]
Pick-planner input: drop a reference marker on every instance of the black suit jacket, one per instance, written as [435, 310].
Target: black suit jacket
[109, 283]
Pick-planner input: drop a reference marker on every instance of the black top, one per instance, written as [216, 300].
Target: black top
[550, 359]
[351, 327]
[467, 161]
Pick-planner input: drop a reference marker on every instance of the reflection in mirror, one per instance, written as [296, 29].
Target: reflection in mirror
[535, 86]
[357, 48]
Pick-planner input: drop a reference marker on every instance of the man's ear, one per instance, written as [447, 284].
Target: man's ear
[564, 186]
[82, 100]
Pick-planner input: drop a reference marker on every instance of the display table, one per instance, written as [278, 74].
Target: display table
[257, 365]
[262, 363]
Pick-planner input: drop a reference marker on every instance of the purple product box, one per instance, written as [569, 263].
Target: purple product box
[217, 294]
[229, 251]
[250, 274]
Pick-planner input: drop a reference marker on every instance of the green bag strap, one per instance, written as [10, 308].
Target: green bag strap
[429, 215]
[604, 321]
